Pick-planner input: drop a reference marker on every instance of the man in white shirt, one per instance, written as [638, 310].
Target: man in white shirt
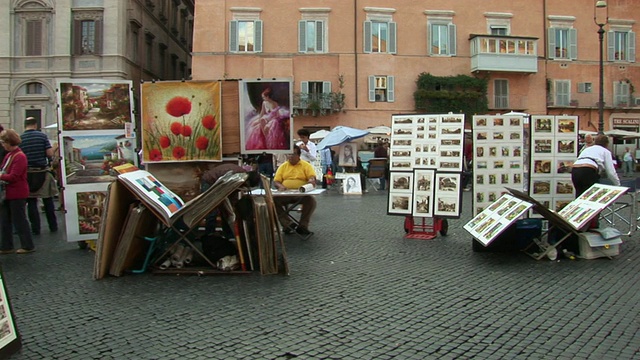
[307, 148]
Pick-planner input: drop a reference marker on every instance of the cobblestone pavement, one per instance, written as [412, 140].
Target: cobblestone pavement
[357, 290]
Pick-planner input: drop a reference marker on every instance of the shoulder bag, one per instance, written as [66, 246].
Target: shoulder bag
[3, 191]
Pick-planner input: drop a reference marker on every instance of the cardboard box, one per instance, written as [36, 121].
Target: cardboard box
[593, 245]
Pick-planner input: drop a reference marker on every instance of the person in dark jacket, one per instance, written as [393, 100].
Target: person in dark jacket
[12, 209]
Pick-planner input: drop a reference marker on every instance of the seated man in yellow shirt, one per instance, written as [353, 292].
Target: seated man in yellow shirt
[293, 174]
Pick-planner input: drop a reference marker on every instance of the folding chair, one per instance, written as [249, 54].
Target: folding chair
[375, 171]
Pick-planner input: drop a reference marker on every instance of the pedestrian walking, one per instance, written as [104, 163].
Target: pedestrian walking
[38, 150]
[628, 162]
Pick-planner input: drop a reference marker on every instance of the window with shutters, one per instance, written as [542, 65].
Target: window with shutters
[584, 87]
[621, 93]
[562, 92]
[442, 39]
[562, 38]
[245, 31]
[87, 32]
[162, 53]
[315, 95]
[32, 28]
[381, 88]
[311, 36]
[621, 45]
[379, 34]
[501, 93]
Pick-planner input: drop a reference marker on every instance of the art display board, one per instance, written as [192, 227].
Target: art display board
[554, 147]
[265, 116]
[496, 218]
[95, 134]
[10, 341]
[181, 121]
[426, 160]
[580, 211]
[498, 157]
[426, 142]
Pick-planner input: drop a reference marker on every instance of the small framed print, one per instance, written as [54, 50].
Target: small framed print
[479, 151]
[542, 146]
[542, 167]
[541, 187]
[402, 120]
[566, 147]
[514, 135]
[517, 178]
[447, 194]
[560, 204]
[564, 166]
[422, 205]
[452, 119]
[498, 135]
[399, 203]
[515, 121]
[401, 182]
[480, 179]
[542, 124]
[423, 180]
[480, 121]
[498, 121]
[567, 125]
[564, 187]
[451, 142]
[401, 142]
[481, 135]
[516, 150]
[401, 164]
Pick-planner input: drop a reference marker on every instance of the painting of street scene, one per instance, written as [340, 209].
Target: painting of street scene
[91, 158]
[95, 105]
[90, 205]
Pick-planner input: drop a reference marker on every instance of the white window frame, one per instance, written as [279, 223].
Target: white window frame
[500, 98]
[615, 48]
[243, 15]
[561, 24]
[379, 15]
[621, 93]
[562, 92]
[382, 82]
[320, 18]
[496, 20]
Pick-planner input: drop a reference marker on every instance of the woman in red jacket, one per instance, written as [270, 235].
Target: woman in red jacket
[12, 209]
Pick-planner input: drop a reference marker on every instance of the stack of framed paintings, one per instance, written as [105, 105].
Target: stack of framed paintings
[95, 134]
[425, 165]
[496, 218]
[554, 147]
[498, 157]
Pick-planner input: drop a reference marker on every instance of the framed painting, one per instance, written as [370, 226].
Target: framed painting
[265, 116]
[181, 121]
[348, 155]
[401, 182]
[94, 104]
[448, 194]
[399, 203]
[351, 185]
[89, 157]
[84, 205]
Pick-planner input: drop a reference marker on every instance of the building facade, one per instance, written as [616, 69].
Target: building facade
[47, 40]
[356, 62]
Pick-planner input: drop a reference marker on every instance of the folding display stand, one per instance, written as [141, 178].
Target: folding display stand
[420, 230]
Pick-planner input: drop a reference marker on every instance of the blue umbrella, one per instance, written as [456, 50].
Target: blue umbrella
[339, 135]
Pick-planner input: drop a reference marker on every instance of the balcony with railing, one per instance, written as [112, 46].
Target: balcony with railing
[317, 104]
[503, 53]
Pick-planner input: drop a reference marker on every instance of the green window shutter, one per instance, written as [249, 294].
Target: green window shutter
[392, 38]
[551, 35]
[257, 36]
[573, 44]
[233, 36]
[611, 45]
[631, 46]
[372, 88]
[302, 36]
[366, 39]
[391, 97]
[452, 40]
[320, 36]
[304, 94]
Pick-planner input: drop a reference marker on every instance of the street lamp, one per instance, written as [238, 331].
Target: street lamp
[599, 10]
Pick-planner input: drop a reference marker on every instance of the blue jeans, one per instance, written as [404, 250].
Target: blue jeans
[12, 215]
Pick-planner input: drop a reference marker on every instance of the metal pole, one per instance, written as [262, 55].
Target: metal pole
[601, 90]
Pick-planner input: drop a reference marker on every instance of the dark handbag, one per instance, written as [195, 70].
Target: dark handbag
[36, 180]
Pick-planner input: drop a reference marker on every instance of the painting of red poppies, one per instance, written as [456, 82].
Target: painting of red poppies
[181, 121]
[265, 116]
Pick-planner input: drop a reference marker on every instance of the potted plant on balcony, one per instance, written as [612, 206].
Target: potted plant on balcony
[574, 102]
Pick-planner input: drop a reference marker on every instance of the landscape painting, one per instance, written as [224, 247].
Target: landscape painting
[94, 104]
[91, 158]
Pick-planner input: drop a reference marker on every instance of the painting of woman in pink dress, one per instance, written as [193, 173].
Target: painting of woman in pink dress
[267, 122]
